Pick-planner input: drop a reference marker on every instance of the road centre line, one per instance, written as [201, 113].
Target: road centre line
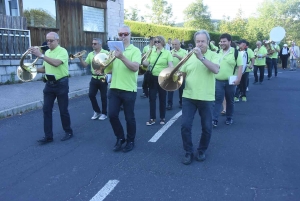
[161, 131]
[107, 188]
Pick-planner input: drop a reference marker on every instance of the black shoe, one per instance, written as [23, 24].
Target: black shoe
[45, 140]
[144, 96]
[200, 156]
[254, 82]
[169, 107]
[187, 159]
[118, 145]
[180, 105]
[128, 147]
[67, 137]
[229, 121]
[215, 123]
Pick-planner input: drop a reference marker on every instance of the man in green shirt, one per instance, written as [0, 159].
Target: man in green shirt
[260, 54]
[56, 68]
[123, 90]
[178, 53]
[98, 82]
[199, 94]
[229, 67]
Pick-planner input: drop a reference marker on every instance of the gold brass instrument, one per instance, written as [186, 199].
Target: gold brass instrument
[78, 54]
[170, 79]
[143, 68]
[102, 60]
[27, 71]
[270, 50]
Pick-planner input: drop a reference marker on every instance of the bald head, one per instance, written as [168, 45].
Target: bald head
[176, 44]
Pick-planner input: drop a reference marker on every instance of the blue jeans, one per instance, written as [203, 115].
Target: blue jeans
[293, 64]
[162, 96]
[274, 66]
[59, 90]
[116, 98]
[170, 94]
[95, 85]
[261, 73]
[189, 108]
[224, 89]
[270, 66]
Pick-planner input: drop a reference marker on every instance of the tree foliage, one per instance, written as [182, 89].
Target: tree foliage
[39, 18]
[197, 16]
[161, 13]
[133, 14]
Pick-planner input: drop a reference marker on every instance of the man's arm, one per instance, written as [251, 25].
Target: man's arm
[41, 70]
[83, 62]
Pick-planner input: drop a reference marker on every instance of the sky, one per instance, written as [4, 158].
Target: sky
[217, 8]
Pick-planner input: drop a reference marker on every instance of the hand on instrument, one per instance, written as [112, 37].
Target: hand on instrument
[198, 52]
[175, 55]
[118, 53]
[35, 51]
[97, 72]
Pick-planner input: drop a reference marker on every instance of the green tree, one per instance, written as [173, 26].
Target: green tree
[39, 18]
[197, 16]
[133, 14]
[161, 13]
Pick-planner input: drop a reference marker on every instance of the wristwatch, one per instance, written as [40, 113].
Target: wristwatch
[42, 56]
[203, 58]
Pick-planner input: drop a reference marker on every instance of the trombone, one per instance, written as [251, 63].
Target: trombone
[170, 79]
[27, 71]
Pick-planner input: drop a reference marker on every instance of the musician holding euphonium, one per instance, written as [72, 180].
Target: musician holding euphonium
[159, 59]
[198, 95]
[260, 54]
[98, 81]
[56, 68]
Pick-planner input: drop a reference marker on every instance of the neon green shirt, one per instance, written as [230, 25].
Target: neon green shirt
[122, 77]
[199, 80]
[250, 56]
[89, 60]
[62, 70]
[162, 61]
[181, 52]
[260, 61]
[227, 64]
[275, 54]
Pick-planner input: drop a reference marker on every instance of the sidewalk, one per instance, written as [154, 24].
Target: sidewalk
[19, 98]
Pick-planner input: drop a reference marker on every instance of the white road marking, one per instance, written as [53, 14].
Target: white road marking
[109, 186]
[159, 133]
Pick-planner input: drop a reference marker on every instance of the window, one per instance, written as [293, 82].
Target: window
[40, 14]
[93, 19]
[9, 7]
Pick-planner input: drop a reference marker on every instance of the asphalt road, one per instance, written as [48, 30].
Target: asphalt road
[256, 158]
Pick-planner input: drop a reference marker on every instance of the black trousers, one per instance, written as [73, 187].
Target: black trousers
[261, 73]
[101, 85]
[284, 60]
[241, 88]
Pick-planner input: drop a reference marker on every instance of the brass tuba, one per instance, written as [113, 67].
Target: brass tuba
[170, 79]
[27, 71]
[102, 60]
[78, 54]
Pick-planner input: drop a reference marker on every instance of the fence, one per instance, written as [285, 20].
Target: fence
[13, 43]
[140, 42]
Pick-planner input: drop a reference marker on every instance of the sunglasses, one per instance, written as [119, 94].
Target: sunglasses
[123, 34]
[156, 41]
[94, 43]
[50, 40]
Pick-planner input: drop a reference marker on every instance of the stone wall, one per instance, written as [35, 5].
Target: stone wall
[115, 18]
[8, 70]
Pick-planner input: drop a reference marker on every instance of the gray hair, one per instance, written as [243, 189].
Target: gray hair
[54, 34]
[202, 32]
[99, 40]
[125, 26]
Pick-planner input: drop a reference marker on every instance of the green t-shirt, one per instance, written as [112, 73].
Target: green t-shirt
[250, 56]
[62, 70]
[199, 80]
[275, 48]
[227, 64]
[122, 77]
[162, 61]
[260, 61]
[146, 48]
[89, 60]
[181, 52]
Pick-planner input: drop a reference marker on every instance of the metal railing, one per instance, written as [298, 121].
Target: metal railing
[13, 43]
[140, 42]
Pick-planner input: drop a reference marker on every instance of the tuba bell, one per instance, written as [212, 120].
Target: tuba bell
[27, 71]
[78, 54]
[170, 79]
[102, 60]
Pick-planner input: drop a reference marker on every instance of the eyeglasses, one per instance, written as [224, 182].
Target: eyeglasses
[94, 43]
[50, 40]
[123, 34]
[156, 41]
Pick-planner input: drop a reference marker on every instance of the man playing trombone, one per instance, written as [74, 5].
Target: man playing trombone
[98, 82]
[199, 94]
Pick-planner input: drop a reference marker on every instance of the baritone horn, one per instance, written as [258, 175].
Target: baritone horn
[27, 71]
[78, 54]
[102, 60]
[170, 79]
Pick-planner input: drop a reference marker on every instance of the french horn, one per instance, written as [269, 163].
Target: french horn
[102, 60]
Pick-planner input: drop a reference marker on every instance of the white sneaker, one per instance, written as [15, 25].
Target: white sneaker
[247, 89]
[96, 115]
[102, 117]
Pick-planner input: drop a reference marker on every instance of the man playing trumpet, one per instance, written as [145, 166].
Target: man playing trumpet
[98, 82]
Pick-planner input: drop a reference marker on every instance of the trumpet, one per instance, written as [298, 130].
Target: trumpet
[78, 54]
[170, 79]
[27, 71]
